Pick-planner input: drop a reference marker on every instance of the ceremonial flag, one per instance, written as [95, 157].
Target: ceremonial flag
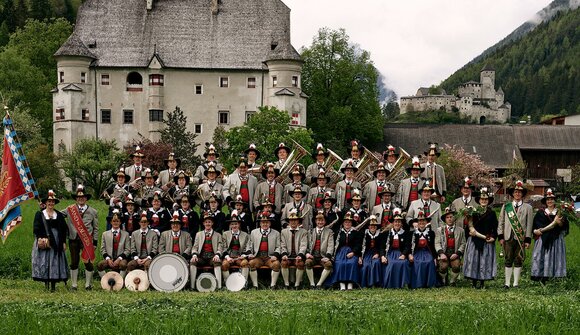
[16, 182]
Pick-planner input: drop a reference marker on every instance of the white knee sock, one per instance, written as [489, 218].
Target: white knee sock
[508, 276]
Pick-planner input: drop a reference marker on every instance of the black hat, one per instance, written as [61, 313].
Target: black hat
[155, 196]
[389, 188]
[549, 194]
[234, 217]
[147, 173]
[121, 172]
[432, 150]
[381, 167]
[415, 165]
[264, 203]
[171, 157]
[280, 147]
[518, 185]
[181, 174]
[252, 147]
[137, 153]
[467, 182]
[50, 196]
[210, 150]
[319, 151]
[243, 161]
[175, 218]
[448, 210]
[211, 167]
[420, 216]
[484, 193]
[355, 145]
[216, 197]
[297, 170]
[349, 165]
[391, 150]
[297, 189]
[238, 200]
[356, 195]
[269, 167]
[321, 175]
[80, 192]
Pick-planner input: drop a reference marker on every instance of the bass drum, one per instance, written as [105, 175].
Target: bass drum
[168, 273]
[235, 282]
[206, 282]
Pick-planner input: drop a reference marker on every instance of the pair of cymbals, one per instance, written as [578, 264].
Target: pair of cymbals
[135, 280]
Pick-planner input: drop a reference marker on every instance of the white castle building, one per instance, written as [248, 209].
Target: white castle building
[130, 62]
[478, 100]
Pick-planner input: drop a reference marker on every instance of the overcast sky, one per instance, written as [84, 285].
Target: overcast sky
[414, 43]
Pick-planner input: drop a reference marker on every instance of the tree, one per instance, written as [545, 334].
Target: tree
[43, 166]
[40, 9]
[342, 83]
[391, 109]
[266, 129]
[155, 152]
[182, 140]
[92, 162]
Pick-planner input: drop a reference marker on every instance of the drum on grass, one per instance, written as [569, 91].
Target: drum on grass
[168, 273]
[206, 282]
[235, 282]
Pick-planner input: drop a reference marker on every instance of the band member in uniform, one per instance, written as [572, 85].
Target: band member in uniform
[355, 203]
[355, 149]
[116, 193]
[242, 183]
[450, 246]
[331, 214]
[243, 214]
[423, 256]
[316, 194]
[425, 205]
[344, 187]
[148, 189]
[409, 188]
[89, 224]
[384, 211]
[313, 171]
[372, 189]
[371, 271]
[297, 176]
[252, 155]
[320, 250]
[115, 247]
[270, 188]
[395, 252]
[347, 250]
[267, 207]
[134, 171]
[49, 263]
[210, 186]
[516, 221]
[207, 250]
[298, 204]
[265, 250]
[390, 156]
[549, 254]
[144, 245]
[175, 240]
[158, 216]
[182, 187]
[466, 187]
[479, 263]
[213, 206]
[235, 243]
[435, 172]
[281, 152]
[130, 219]
[293, 247]
[190, 221]
[210, 155]
[165, 180]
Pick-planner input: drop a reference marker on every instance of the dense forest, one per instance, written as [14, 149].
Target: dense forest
[540, 73]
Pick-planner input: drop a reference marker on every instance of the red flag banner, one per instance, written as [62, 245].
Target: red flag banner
[16, 182]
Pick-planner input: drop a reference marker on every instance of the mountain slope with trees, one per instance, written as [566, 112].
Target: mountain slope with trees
[540, 73]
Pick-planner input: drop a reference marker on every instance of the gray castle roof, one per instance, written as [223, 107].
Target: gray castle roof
[487, 67]
[74, 47]
[183, 33]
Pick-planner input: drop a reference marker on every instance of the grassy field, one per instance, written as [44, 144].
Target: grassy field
[26, 308]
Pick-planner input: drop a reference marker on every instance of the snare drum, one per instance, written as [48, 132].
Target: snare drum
[206, 282]
[235, 282]
[168, 273]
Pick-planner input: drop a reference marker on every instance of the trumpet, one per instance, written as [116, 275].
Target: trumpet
[298, 152]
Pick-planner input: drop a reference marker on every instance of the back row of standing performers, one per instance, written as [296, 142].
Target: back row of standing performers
[389, 230]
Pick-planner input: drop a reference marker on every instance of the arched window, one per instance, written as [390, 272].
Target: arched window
[134, 82]
[482, 119]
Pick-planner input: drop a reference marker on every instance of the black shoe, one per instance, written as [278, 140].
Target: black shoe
[73, 288]
[454, 284]
[506, 287]
[88, 288]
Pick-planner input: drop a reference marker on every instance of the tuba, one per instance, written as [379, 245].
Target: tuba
[329, 166]
[298, 152]
[365, 167]
[399, 173]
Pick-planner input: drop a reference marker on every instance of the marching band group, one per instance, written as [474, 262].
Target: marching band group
[369, 223]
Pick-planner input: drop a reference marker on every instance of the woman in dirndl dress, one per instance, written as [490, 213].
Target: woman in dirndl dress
[394, 254]
[549, 255]
[423, 256]
[347, 252]
[371, 272]
[479, 262]
[49, 265]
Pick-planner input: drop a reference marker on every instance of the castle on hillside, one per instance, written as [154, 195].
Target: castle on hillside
[477, 100]
[130, 62]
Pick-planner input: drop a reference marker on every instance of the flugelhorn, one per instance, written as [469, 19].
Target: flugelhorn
[365, 173]
[298, 152]
[398, 172]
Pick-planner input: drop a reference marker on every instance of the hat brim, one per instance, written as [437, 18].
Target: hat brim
[44, 200]
[233, 203]
[218, 173]
[385, 155]
[302, 175]
[187, 179]
[380, 194]
[261, 207]
[314, 180]
[136, 155]
[417, 219]
[280, 148]
[490, 200]
[421, 169]
[265, 173]
[177, 160]
[510, 191]
[387, 172]
[88, 196]
[291, 193]
[127, 177]
[349, 167]
[544, 199]
[362, 199]
[444, 215]
[205, 154]
[258, 154]
[427, 154]
[315, 154]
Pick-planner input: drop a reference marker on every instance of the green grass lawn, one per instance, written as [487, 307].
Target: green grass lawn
[26, 308]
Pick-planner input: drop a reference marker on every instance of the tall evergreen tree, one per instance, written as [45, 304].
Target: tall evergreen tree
[40, 9]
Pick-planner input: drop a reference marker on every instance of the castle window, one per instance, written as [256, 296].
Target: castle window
[223, 117]
[61, 77]
[83, 77]
[274, 81]
[224, 82]
[155, 115]
[59, 114]
[198, 89]
[134, 82]
[294, 81]
[249, 115]
[198, 128]
[105, 79]
[295, 119]
[128, 116]
[252, 82]
[156, 80]
[85, 114]
[106, 116]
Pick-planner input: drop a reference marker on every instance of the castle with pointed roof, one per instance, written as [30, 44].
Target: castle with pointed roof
[477, 100]
[130, 62]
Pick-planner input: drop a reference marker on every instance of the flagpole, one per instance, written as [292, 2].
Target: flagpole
[21, 153]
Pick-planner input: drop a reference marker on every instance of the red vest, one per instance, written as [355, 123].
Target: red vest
[175, 244]
[244, 191]
[414, 194]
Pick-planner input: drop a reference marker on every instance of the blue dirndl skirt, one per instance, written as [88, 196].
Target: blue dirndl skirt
[371, 272]
[424, 274]
[397, 272]
[345, 270]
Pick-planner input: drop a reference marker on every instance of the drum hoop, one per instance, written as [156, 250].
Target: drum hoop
[179, 284]
[200, 279]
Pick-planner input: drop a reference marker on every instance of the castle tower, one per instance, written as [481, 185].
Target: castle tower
[487, 80]
[74, 114]
[283, 85]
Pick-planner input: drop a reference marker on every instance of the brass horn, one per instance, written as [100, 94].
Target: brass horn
[298, 152]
